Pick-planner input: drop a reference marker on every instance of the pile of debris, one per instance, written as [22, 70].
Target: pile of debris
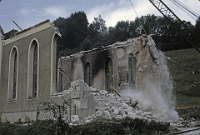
[101, 103]
[110, 105]
[114, 106]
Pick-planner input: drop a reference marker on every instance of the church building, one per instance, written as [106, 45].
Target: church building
[31, 70]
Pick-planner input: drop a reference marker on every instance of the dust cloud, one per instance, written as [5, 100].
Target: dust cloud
[153, 84]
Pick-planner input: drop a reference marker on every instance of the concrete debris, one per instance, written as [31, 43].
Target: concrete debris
[110, 105]
[104, 104]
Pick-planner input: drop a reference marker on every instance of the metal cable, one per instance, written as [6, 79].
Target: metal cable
[188, 9]
[177, 63]
[185, 9]
[137, 17]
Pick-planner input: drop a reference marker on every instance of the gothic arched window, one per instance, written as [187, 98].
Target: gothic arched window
[88, 74]
[33, 70]
[55, 84]
[13, 74]
[109, 74]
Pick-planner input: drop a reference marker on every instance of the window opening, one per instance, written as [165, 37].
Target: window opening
[88, 74]
[109, 75]
[35, 64]
[132, 69]
[14, 76]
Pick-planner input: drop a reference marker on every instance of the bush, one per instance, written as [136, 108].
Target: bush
[99, 126]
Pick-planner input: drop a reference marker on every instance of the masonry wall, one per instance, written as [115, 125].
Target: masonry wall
[1, 49]
[12, 110]
[119, 53]
[73, 69]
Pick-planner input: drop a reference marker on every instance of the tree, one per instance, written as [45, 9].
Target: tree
[97, 32]
[99, 25]
[61, 23]
[123, 30]
[197, 27]
[73, 30]
[76, 30]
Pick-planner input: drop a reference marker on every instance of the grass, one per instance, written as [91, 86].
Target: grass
[185, 72]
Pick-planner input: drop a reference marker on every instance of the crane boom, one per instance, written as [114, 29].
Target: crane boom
[166, 12]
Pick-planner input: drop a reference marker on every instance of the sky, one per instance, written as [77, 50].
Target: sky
[27, 13]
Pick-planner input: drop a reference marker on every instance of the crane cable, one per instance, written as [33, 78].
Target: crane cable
[185, 9]
[137, 17]
[179, 6]
[188, 9]
[168, 58]
[177, 63]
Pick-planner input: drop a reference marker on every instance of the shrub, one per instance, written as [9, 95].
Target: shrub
[99, 126]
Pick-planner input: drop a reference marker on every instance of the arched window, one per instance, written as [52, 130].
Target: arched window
[109, 74]
[132, 71]
[33, 70]
[13, 74]
[54, 65]
[88, 74]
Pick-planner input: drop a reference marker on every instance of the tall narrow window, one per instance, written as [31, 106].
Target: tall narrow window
[55, 88]
[33, 70]
[35, 59]
[60, 87]
[88, 74]
[109, 74]
[132, 71]
[13, 74]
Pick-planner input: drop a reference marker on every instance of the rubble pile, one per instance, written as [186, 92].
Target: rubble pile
[110, 105]
[152, 90]
[104, 104]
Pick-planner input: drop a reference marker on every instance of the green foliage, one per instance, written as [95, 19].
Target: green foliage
[144, 127]
[79, 35]
[99, 126]
[76, 34]
[73, 30]
[41, 127]
[6, 128]
[197, 27]
[185, 77]
[123, 30]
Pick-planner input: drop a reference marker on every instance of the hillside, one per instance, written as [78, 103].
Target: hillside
[184, 68]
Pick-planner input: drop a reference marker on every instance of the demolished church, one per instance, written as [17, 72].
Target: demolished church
[31, 71]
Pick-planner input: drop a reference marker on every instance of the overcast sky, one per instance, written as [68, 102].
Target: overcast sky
[30, 12]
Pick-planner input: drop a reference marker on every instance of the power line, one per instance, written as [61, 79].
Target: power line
[177, 63]
[185, 9]
[137, 17]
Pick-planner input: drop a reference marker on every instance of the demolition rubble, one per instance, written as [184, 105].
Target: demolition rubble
[114, 105]
[107, 105]
[151, 98]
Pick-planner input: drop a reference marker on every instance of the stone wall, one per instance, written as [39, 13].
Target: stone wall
[113, 68]
[23, 105]
[120, 54]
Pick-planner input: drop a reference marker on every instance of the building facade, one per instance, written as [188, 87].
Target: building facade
[31, 72]
[28, 71]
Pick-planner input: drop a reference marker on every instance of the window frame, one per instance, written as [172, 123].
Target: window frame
[13, 54]
[30, 77]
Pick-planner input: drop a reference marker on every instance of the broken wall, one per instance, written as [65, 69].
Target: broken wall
[122, 64]
[110, 68]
